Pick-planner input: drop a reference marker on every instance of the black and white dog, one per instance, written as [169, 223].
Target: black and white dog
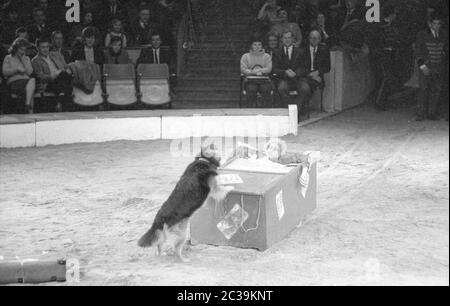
[198, 184]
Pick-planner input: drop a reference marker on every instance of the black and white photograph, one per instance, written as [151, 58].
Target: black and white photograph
[224, 144]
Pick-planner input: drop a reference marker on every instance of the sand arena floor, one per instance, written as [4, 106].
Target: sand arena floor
[383, 216]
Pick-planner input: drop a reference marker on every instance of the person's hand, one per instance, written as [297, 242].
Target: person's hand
[426, 71]
[21, 70]
[68, 71]
[291, 74]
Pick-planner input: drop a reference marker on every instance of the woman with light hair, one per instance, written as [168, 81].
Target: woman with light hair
[18, 71]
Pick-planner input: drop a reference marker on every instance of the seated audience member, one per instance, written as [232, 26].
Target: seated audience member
[9, 27]
[39, 28]
[52, 72]
[283, 25]
[76, 35]
[268, 16]
[289, 65]
[58, 45]
[318, 63]
[257, 63]
[116, 30]
[353, 11]
[273, 43]
[18, 71]
[112, 9]
[115, 53]
[88, 51]
[23, 34]
[320, 24]
[156, 55]
[142, 29]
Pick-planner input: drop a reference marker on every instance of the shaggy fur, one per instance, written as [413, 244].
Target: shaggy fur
[198, 183]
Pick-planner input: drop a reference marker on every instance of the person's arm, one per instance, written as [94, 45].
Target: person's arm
[276, 66]
[107, 40]
[39, 71]
[245, 69]
[267, 69]
[301, 69]
[262, 14]
[125, 41]
[298, 35]
[8, 68]
[27, 64]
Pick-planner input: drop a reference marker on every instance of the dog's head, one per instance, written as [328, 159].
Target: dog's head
[211, 152]
[274, 149]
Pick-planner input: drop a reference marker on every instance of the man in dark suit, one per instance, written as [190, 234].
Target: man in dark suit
[142, 28]
[39, 28]
[113, 9]
[318, 63]
[288, 66]
[156, 55]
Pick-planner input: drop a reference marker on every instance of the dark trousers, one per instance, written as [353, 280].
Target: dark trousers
[264, 88]
[429, 94]
[387, 81]
[62, 85]
[305, 88]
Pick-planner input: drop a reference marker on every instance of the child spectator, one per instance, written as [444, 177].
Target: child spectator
[116, 30]
[115, 53]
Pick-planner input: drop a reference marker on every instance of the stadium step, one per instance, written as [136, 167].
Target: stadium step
[211, 77]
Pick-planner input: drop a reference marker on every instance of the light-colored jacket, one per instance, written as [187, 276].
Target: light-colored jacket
[42, 69]
[11, 65]
[251, 60]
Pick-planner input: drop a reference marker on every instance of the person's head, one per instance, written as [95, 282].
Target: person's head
[315, 38]
[43, 46]
[115, 46]
[19, 47]
[13, 15]
[39, 16]
[144, 14]
[43, 4]
[389, 13]
[88, 18]
[156, 40]
[257, 45]
[351, 4]
[57, 39]
[22, 33]
[272, 41]
[112, 2]
[272, 3]
[287, 39]
[88, 35]
[275, 149]
[116, 26]
[321, 19]
[283, 15]
[435, 22]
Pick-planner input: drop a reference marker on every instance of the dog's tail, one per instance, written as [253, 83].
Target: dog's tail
[149, 239]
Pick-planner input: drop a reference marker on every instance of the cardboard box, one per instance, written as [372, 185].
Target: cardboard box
[262, 210]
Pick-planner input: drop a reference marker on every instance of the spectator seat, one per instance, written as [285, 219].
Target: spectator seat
[120, 85]
[154, 84]
[84, 99]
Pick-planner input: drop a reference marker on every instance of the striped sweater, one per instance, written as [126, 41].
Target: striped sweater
[431, 51]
